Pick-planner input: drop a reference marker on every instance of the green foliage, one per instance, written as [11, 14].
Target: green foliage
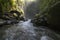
[47, 7]
[7, 5]
[10, 5]
[46, 4]
[52, 12]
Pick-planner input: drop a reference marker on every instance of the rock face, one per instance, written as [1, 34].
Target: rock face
[54, 14]
[51, 9]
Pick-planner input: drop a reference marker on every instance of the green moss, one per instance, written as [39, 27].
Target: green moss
[10, 5]
[7, 5]
[52, 12]
[46, 4]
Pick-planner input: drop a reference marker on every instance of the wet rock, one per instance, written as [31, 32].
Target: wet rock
[9, 22]
[40, 21]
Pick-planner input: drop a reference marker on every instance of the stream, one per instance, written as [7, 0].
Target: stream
[26, 31]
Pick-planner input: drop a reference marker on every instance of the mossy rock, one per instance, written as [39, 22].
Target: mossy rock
[6, 6]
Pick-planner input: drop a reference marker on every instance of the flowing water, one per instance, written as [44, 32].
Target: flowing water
[26, 31]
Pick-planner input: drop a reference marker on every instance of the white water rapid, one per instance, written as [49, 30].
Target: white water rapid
[26, 31]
